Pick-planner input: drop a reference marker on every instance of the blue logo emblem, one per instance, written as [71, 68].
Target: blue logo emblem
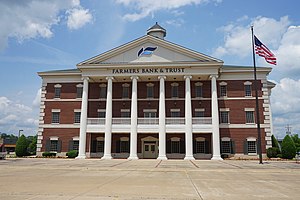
[146, 51]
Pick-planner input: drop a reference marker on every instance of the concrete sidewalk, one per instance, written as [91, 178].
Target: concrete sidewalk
[91, 179]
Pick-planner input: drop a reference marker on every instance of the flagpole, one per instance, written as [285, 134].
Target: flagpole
[256, 101]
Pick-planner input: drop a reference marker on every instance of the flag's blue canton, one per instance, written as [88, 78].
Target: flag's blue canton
[146, 51]
[263, 51]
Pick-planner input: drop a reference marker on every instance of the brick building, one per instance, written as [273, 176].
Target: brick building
[151, 98]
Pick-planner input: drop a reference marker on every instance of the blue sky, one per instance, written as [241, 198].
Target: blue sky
[42, 35]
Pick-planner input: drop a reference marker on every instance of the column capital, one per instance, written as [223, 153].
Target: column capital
[187, 77]
[162, 77]
[134, 77]
[85, 78]
[109, 77]
[213, 75]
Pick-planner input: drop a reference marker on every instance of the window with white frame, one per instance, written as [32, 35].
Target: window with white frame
[226, 145]
[248, 89]
[124, 145]
[251, 146]
[53, 145]
[199, 112]
[223, 89]
[174, 90]
[100, 144]
[200, 145]
[224, 116]
[175, 145]
[101, 113]
[79, 91]
[249, 115]
[102, 91]
[150, 90]
[125, 91]
[198, 89]
[149, 113]
[57, 90]
[125, 113]
[175, 112]
[77, 115]
[55, 116]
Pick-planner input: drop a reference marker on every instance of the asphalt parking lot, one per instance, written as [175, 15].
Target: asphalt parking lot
[62, 179]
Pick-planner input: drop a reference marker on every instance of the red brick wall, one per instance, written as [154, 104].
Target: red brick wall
[239, 136]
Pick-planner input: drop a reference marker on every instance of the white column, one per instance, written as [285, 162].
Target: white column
[162, 120]
[215, 119]
[108, 120]
[134, 118]
[83, 119]
[188, 120]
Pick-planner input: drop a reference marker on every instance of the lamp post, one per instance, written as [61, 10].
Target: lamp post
[20, 133]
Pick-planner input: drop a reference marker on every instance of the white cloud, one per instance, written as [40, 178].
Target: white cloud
[285, 101]
[15, 116]
[35, 18]
[78, 17]
[37, 100]
[146, 8]
[238, 37]
[175, 22]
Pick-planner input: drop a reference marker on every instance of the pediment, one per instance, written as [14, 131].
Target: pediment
[149, 49]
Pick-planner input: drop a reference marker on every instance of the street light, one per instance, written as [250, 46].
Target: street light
[20, 133]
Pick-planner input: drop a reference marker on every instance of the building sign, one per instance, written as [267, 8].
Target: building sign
[147, 70]
[146, 51]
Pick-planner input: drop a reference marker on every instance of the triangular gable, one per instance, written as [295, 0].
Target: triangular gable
[149, 49]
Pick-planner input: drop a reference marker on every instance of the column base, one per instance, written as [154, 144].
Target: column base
[133, 157]
[162, 157]
[106, 157]
[216, 157]
[189, 157]
[81, 157]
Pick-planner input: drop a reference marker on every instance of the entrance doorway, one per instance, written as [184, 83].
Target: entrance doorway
[150, 147]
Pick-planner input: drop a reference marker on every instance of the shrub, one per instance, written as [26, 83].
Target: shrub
[48, 154]
[288, 148]
[273, 152]
[298, 149]
[21, 146]
[279, 155]
[72, 154]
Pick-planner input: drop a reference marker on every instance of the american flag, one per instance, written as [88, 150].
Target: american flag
[263, 51]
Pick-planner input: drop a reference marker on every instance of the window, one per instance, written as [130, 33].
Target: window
[174, 90]
[175, 113]
[102, 91]
[248, 88]
[251, 146]
[79, 91]
[100, 146]
[149, 114]
[223, 90]
[150, 90]
[101, 114]
[76, 145]
[175, 146]
[125, 113]
[248, 91]
[57, 90]
[55, 117]
[224, 117]
[198, 89]
[200, 146]
[199, 112]
[225, 146]
[77, 117]
[53, 145]
[125, 92]
[249, 117]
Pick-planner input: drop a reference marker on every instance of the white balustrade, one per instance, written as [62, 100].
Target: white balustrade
[147, 120]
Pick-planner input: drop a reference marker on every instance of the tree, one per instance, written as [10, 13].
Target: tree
[32, 144]
[275, 142]
[21, 147]
[296, 140]
[288, 148]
